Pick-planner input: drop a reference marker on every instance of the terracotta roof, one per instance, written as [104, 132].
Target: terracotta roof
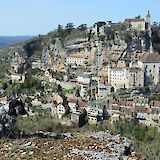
[140, 108]
[130, 103]
[72, 100]
[82, 104]
[127, 103]
[148, 110]
[150, 57]
[126, 110]
[115, 107]
[134, 69]
[76, 55]
[71, 96]
[135, 20]
[122, 113]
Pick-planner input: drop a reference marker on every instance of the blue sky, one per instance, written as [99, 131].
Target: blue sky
[33, 17]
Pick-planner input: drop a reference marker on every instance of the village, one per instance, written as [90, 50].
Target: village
[114, 74]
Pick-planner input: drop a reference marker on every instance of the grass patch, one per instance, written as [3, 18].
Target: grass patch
[68, 91]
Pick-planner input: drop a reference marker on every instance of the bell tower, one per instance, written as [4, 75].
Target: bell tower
[148, 29]
[148, 20]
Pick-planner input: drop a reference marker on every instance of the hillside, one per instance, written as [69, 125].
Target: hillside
[45, 62]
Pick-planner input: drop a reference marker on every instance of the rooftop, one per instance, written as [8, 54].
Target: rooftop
[134, 69]
[76, 55]
[150, 57]
[135, 20]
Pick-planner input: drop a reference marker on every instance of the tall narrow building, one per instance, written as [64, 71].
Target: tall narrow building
[148, 21]
[148, 29]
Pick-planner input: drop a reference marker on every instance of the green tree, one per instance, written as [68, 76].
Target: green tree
[69, 28]
[59, 89]
[82, 27]
[60, 31]
[4, 86]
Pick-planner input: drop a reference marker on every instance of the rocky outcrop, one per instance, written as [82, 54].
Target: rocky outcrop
[89, 146]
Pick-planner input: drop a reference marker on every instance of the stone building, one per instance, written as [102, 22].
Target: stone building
[75, 59]
[125, 77]
[135, 77]
[96, 28]
[62, 110]
[150, 64]
[136, 23]
[98, 89]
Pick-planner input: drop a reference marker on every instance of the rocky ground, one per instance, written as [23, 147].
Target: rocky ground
[88, 146]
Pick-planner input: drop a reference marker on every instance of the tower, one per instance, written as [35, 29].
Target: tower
[148, 20]
[148, 29]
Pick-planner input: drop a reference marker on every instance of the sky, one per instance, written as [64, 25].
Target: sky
[33, 17]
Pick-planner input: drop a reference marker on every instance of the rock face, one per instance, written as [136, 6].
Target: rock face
[87, 146]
